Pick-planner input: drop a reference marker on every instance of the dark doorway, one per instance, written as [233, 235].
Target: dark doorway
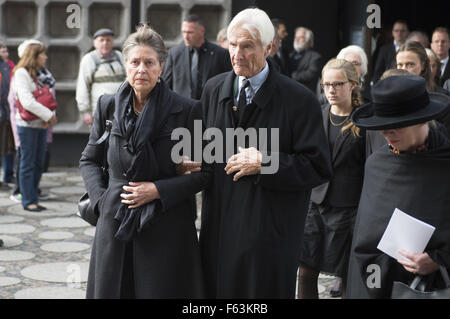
[333, 21]
[420, 15]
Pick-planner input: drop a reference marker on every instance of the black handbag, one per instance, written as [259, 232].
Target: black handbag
[403, 291]
[86, 210]
[7, 143]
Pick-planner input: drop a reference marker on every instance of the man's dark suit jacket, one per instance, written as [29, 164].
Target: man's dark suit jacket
[274, 62]
[283, 61]
[385, 61]
[348, 158]
[306, 69]
[447, 85]
[446, 75]
[213, 60]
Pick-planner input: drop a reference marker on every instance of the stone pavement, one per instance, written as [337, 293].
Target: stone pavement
[46, 254]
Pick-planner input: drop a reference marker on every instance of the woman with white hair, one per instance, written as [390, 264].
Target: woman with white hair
[356, 56]
[222, 38]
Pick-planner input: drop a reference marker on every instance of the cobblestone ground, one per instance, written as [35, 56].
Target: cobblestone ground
[46, 254]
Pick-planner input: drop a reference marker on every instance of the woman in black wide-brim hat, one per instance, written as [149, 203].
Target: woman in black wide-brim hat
[412, 58]
[411, 174]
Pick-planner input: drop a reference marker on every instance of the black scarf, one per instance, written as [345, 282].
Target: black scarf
[139, 134]
[44, 77]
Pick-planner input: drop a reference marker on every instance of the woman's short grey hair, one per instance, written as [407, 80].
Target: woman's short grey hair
[222, 35]
[256, 22]
[145, 36]
[356, 50]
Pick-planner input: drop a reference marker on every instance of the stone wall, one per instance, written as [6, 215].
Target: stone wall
[50, 22]
[166, 16]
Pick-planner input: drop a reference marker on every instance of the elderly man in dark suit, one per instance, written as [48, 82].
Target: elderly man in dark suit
[440, 44]
[254, 210]
[191, 63]
[386, 56]
[305, 63]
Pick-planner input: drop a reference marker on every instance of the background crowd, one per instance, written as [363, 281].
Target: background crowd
[179, 78]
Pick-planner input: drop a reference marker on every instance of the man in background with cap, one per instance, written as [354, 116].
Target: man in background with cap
[101, 72]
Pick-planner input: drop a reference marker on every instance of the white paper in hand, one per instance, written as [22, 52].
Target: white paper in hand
[406, 233]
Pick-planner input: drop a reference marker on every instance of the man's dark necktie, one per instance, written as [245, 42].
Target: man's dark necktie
[194, 73]
[242, 103]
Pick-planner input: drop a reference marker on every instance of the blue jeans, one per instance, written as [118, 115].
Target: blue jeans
[8, 167]
[33, 142]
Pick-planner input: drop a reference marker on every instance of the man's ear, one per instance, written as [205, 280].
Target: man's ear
[202, 29]
[268, 49]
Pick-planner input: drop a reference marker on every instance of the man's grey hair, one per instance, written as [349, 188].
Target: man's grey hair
[256, 22]
[309, 35]
[356, 50]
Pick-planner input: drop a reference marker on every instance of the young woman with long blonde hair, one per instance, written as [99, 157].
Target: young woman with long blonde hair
[329, 223]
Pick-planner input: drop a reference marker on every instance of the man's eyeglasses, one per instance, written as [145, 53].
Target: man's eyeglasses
[335, 85]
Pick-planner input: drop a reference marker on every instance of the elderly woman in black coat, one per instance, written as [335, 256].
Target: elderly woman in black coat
[145, 243]
[411, 174]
